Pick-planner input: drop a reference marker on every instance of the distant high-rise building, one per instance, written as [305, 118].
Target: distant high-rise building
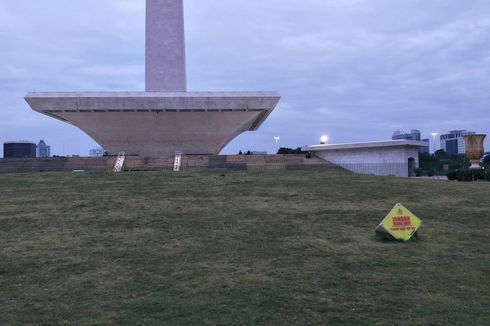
[414, 134]
[43, 150]
[96, 152]
[453, 142]
[425, 149]
[19, 149]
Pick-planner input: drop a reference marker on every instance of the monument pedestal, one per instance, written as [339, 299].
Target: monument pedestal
[159, 123]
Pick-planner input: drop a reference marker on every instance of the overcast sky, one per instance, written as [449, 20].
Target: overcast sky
[353, 69]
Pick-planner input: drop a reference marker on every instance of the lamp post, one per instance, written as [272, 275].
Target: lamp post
[323, 139]
[434, 134]
[277, 139]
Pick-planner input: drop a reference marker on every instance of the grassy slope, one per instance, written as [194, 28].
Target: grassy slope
[284, 248]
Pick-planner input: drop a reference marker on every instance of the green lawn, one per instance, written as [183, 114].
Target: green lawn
[275, 248]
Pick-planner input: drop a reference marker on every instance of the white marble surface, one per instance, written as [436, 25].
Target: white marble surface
[378, 158]
[165, 46]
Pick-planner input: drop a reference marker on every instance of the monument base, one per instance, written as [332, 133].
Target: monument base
[159, 123]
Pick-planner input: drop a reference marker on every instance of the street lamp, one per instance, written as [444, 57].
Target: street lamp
[277, 139]
[323, 139]
[434, 134]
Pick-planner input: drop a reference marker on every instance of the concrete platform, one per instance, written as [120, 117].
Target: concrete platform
[159, 123]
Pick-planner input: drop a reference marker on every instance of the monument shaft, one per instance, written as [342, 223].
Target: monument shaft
[165, 46]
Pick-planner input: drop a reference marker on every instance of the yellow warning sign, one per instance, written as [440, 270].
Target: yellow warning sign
[400, 223]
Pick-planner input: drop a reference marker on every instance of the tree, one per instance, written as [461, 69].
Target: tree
[426, 161]
[285, 150]
[441, 162]
[486, 160]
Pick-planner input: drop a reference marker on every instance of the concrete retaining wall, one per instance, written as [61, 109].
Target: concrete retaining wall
[189, 163]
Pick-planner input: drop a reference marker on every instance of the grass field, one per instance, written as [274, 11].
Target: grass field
[276, 248]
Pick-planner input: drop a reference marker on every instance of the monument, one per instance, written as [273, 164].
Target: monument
[166, 117]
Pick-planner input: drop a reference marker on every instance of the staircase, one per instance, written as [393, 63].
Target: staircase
[177, 161]
[119, 162]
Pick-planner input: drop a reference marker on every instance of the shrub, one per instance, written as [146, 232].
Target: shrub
[452, 175]
[468, 175]
[286, 150]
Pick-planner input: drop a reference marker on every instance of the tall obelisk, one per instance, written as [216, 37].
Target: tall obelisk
[165, 46]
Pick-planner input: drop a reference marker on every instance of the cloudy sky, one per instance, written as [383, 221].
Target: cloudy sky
[353, 69]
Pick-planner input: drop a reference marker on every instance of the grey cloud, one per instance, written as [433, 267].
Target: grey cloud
[355, 69]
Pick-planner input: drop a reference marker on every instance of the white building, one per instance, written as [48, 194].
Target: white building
[42, 149]
[96, 152]
[394, 157]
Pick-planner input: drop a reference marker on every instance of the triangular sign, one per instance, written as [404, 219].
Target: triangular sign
[400, 223]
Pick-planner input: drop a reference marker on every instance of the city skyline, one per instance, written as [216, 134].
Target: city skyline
[355, 70]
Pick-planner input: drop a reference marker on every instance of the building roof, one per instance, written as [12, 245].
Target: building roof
[373, 144]
[20, 142]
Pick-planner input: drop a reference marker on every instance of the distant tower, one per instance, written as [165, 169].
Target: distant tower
[165, 46]
[43, 150]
